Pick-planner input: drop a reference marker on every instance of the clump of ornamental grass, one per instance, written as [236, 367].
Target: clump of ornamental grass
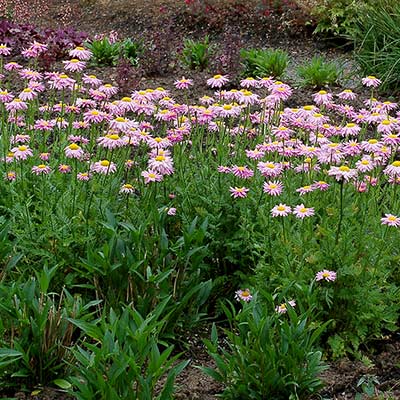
[319, 72]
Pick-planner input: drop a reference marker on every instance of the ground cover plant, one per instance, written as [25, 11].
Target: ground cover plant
[129, 219]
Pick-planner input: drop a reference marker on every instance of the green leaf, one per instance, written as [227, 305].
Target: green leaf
[63, 384]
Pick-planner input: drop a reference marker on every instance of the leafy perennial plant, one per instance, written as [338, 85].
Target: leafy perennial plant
[153, 211]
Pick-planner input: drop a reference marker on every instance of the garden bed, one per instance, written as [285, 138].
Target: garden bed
[250, 27]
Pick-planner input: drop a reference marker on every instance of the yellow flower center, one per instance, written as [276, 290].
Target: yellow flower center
[63, 76]
[396, 164]
[104, 163]
[41, 166]
[227, 107]
[128, 186]
[22, 148]
[113, 137]
[281, 208]
[73, 146]
[160, 158]
[79, 48]
[372, 141]
[350, 125]
[74, 61]
[322, 92]
[344, 168]
[120, 119]
[126, 99]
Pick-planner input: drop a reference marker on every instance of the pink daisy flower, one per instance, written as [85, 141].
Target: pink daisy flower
[41, 169]
[4, 50]
[74, 65]
[10, 176]
[113, 141]
[108, 89]
[83, 176]
[321, 185]
[5, 96]
[371, 81]
[217, 81]
[74, 151]
[163, 164]
[329, 276]
[281, 210]
[393, 169]
[127, 189]
[151, 176]
[305, 189]
[44, 156]
[171, 211]
[81, 53]
[322, 97]
[104, 167]
[249, 82]
[342, 173]
[390, 220]
[301, 211]
[16, 105]
[64, 168]
[273, 188]
[347, 94]
[92, 80]
[240, 192]
[22, 152]
[183, 83]
[242, 172]
[243, 295]
[12, 66]
[282, 308]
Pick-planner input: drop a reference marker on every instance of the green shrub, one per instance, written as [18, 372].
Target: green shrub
[319, 72]
[107, 53]
[266, 354]
[334, 17]
[39, 353]
[260, 63]
[195, 54]
[123, 359]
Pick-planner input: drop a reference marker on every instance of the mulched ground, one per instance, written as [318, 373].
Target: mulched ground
[283, 29]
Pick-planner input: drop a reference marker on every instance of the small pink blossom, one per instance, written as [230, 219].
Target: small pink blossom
[282, 308]
[240, 192]
[281, 210]
[371, 81]
[244, 295]
[390, 220]
[326, 275]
